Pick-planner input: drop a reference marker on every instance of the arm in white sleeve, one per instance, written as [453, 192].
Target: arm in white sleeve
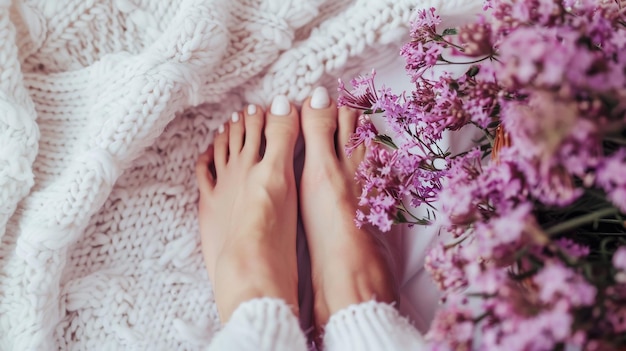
[371, 326]
[264, 324]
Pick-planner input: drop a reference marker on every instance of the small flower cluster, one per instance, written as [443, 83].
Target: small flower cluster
[537, 208]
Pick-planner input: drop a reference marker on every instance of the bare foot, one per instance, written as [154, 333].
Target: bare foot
[348, 264]
[248, 211]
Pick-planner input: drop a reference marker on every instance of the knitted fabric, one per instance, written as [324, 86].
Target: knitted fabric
[269, 325]
[371, 326]
[261, 325]
[104, 107]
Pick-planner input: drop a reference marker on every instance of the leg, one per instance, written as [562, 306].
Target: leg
[247, 218]
[352, 276]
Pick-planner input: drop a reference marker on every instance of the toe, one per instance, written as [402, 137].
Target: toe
[205, 179]
[281, 131]
[236, 135]
[221, 147]
[319, 123]
[347, 125]
[254, 120]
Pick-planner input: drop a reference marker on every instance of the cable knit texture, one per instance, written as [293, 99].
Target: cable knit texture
[104, 107]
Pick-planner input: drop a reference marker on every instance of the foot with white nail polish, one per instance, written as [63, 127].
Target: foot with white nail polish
[248, 207]
[349, 265]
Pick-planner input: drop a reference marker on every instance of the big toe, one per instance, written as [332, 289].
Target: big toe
[319, 124]
[281, 131]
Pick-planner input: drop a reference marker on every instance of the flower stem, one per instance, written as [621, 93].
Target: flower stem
[386, 140]
[489, 137]
[440, 38]
[613, 221]
[616, 140]
[417, 220]
[457, 242]
[579, 221]
[481, 317]
[462, 63]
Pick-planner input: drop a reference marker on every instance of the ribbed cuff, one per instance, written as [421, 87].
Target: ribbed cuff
[372, 326]
[261, 324]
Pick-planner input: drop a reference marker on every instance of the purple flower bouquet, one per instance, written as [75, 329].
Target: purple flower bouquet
[536, 258]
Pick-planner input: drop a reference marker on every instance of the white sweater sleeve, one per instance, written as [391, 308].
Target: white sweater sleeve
[371, 326]
[263, 324]
[268, 324]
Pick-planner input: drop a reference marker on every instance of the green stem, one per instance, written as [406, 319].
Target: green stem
[494, 58]
[616, 140]
[386, 140]
[424, 201]
[596, 194]
[419, 221]
[422, 221]
[481, 317]
[440, 38]
[457, 242]
[462, 63]
[613, 221]
[579, 221]
[489, 137]
[403, 208]
[525, 275]
[459, 155]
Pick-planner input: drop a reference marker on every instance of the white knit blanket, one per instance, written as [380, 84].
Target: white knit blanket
[104, 107]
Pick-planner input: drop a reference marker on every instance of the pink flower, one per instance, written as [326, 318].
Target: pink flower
[420, 57]
[546, 93]
[543, 57]
[452, 327]
[425, 24]
[572, 248]
[619, 258]
[363, 95]
[364, 134]
[610, 176]
[380, 218]
[485, 280]
[617, 318]
[505, 234]
[557, 282]
[445, 265]
[550, 327]
[476, 39]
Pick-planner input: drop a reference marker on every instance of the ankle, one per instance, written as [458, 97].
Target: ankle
[357, 279]
[249, 271]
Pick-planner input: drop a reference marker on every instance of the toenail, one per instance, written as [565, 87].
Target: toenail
[220, 130]
[320, 98]
[235, 117]
[280, 106]
[251, 109]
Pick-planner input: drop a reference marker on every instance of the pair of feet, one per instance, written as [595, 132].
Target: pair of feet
[249, 204]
